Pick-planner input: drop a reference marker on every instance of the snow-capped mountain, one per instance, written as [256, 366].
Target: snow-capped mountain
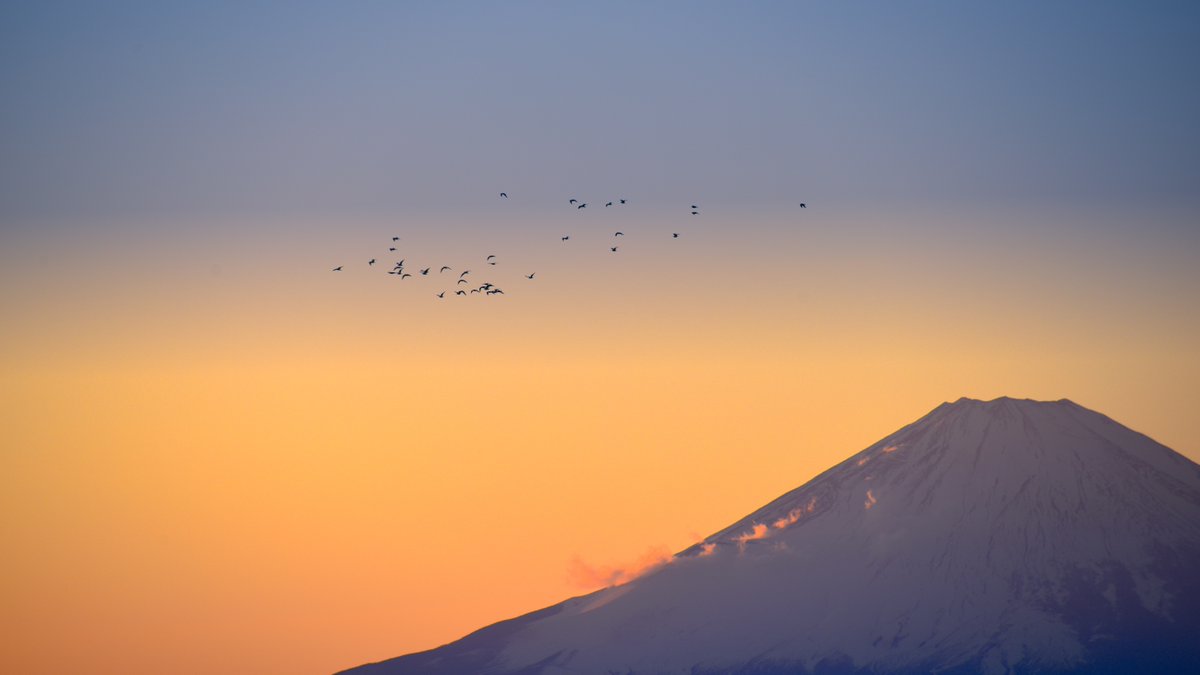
[994, 537]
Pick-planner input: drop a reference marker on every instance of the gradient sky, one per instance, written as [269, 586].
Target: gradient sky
[217, 456]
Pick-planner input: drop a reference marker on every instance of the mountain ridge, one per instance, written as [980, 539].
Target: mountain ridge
[996, 536]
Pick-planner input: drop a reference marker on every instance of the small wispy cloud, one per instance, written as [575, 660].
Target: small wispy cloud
[586, 575]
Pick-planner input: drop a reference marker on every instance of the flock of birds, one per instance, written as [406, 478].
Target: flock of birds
[488, 288]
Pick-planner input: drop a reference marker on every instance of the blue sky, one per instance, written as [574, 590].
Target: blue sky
[135, 110]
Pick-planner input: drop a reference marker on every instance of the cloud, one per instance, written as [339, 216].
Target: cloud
[585, 575]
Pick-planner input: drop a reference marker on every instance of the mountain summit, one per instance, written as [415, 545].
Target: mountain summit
[995, 536]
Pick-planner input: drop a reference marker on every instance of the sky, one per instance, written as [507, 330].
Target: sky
[217, 455]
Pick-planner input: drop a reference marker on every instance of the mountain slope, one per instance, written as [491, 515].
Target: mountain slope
[1000, 536]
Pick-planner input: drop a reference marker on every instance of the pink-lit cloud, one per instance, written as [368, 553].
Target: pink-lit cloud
[585, 575]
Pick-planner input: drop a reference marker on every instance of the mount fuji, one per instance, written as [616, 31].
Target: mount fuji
[1004, 536]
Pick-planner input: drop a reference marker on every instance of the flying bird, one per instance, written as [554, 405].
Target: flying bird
[460, 292]
[695, 212]
[462, 281]
[582, 206]
[371, 261]
[608, 204]
[504, 194]
[444, 268]
[674, 235]
[395, 238]
[474, 290]
[618, 234]
[803, 205]
[391, 248]
[694, 206]
[530, 276]
[621, 200]
[613, 249]
[441, 294]
[464, 274]
[425, 272]
[566, 238]
[338, 268]
[405, 275]
[573, 201]
[490, 261]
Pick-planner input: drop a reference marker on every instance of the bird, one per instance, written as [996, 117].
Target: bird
[460, 292]
[618, 234]
[613, 249]
[530, 276]
[462, 281]
[490, 261]
[608, 205]
[504, 194]
[371, 261]
[444, 268]
[391, 248]
[401, 263]
[573, 201]
[425, 272]
[486, 285]
[474, 290]
[338, 268]
[694, 206]
[803, 205]
[495, 291]
[566, 238]
[674, 235]
[621, 200]
[395, 238]
[695, 212]
[582, 206]
[404, 275]
[441, 294]
[464, 274]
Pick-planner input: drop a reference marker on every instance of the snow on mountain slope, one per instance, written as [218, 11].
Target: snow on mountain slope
[1000, 536]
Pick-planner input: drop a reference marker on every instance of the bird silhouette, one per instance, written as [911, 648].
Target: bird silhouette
[474, 290]
[486, 285]
[444, 268]
[391, 248]
[695, 212]
[618, 234]
[495, 291]
[803, 205]
[395, 238]
[582, 206]
[530, 276]
[371, 261]
[504, 194]
[460, 292]
[441, 294]
[464, 274]
[462, 281]
[405, 276]
[566, 238]
[613, 249]
[608, 205]
[573, 201]
[694, 206]
[338, 268]
[490, 261]
[674, 235]
[425, 272]
[621, 200]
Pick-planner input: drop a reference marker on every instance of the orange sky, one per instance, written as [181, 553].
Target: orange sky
[220, 457]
